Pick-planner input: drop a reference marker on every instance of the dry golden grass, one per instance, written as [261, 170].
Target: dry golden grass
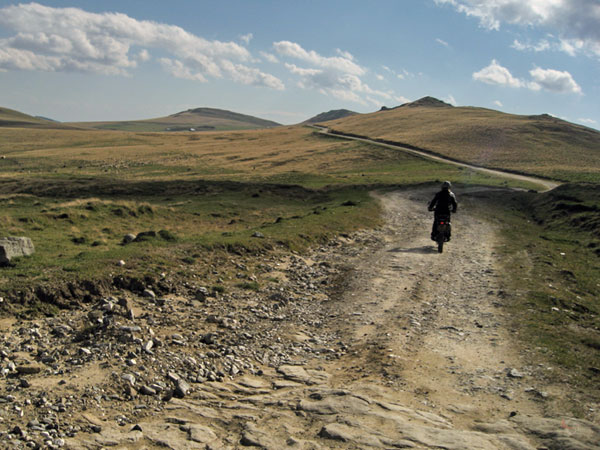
[11, 118]
[539, 145]
[215, 154]
[11, 115]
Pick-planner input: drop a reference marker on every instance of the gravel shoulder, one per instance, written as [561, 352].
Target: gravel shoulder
[372, 341]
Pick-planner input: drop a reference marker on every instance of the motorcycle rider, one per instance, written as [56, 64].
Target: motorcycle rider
[443, 204]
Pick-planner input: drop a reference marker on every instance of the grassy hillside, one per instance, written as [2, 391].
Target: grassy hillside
[282, 155]
[540, 145]
[12, 118]
[77, 193]
[330, 115]
[199, 119]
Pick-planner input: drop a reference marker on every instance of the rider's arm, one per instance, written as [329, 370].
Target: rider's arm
[432, 203]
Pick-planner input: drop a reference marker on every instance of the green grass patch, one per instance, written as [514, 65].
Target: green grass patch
[218, 289]
[552, 262]
[249, 285]
[82, 237]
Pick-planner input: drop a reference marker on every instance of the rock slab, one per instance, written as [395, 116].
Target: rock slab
[13, 247]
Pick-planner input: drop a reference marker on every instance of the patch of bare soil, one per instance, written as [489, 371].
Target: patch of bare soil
[372, 341]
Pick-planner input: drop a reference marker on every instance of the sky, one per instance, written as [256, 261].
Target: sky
[288, 60]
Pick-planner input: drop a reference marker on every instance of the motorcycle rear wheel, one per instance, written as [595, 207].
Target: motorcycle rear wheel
[440, 246]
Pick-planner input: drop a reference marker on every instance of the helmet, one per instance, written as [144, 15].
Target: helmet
[446, 185]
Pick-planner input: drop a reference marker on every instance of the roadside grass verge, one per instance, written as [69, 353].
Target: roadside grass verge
[551, 255]
[81, 238]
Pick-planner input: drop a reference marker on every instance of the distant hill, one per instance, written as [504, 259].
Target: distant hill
[536, 144]
[428, 102]
[47, 118]
[16, 119]
[330, 115]
[198, 119]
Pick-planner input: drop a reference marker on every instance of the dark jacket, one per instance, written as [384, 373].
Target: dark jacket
[443, 203]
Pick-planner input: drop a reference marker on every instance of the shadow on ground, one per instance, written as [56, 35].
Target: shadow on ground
[426, 249]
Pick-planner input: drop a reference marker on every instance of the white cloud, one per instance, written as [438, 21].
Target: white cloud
[344, 54]
[496, 74]
[246, 38]
[251, 76]
[548, 79]
[577, 22]
[407, 74]
[498, 103]
[309, 73]
[441, 42]
[402, 75]
[588, 121]
[401, 99]
[70, 39]
[380, 77]
[143, 55]
[541, 46]
[450, 99]
[345, 95]
[337, 76]
[180, 70]
[555, 81]
[343, 63]
[270, 57]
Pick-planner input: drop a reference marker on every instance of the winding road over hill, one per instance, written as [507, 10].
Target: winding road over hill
[545, 183]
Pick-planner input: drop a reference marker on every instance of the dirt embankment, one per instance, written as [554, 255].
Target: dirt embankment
[373, 341]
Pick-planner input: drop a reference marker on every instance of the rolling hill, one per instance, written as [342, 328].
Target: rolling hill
[16, 119]
[198, 119]
[430, 102]
[537, 144]
[532, 144]
[330, 115]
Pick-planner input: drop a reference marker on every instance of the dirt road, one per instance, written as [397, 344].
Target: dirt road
[545, 184]
[373, 341]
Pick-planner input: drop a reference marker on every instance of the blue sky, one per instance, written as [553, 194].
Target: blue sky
[282, 60]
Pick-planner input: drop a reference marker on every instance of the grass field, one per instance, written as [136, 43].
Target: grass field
[204, 198]
[76, 193]
[288, 154]
[540, 145]
[12, 118]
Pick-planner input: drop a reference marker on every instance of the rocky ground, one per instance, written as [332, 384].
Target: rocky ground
[372, 341]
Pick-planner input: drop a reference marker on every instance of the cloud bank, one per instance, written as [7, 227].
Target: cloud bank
[548, 79]
[338, 76]
[577, 22]
[70, 39]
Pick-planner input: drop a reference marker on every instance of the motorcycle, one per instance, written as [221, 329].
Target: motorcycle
[443, 227]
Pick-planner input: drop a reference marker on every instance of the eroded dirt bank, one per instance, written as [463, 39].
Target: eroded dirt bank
[373, 341]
